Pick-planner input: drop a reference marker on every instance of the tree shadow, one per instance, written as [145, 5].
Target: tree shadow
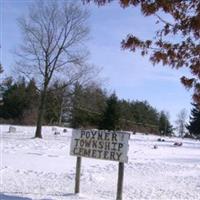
[10, 197]
[69, 194]
[13, 197]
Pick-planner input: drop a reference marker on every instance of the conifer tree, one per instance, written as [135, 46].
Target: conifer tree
[14, 101]
[111, 115]
[194, 124]
[165, 127]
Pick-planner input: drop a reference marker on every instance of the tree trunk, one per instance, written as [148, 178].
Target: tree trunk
[38, 133]
[61, 114]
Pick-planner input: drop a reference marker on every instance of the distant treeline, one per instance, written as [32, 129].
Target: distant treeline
[79, 106]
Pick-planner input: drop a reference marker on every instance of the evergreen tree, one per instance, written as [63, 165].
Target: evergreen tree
[111, 115]
[88, 104]
[31, 101]
[76, 116]
[14, 101]
[52, 108]
[165, 128]
[19, 101]
[194, 124]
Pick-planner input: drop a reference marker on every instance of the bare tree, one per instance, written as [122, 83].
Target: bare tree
[181, 122]
[53, 47]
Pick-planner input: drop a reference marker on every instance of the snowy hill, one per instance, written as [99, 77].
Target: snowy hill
[44, 170]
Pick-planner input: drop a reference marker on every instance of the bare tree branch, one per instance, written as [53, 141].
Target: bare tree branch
[54, 35]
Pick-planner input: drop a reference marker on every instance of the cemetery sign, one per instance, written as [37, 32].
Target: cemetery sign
[106, 145]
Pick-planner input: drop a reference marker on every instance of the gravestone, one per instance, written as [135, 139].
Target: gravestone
[12, 129]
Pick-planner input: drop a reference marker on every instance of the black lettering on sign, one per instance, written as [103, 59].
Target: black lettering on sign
[94, 153]
[100, 153]
[76, 142]
[120, 146]
[107, 136]
[75, 151]
[114, 137]
[82, 133]
[100, 136]
[100, 146]
[81, 151]
[87, 143]
[114, 146]
[87, 134]
[107, 146]
[112, 155]
[105, 155]
[82, 142]
[94, 133]
[94, 144]
[118, 155]
[87, 152]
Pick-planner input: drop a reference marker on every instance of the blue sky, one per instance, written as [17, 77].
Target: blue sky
[131, 76]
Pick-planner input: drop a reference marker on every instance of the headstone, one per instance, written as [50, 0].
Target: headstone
[56, 133]
[12, 129]
[64, 130]
[160, 140]
[178, 144]
[155, 146]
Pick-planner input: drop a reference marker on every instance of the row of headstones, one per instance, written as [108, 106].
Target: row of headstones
[56, 132]
[178, 144]
[13, 129]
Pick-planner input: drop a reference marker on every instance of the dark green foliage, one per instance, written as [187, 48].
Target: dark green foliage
[87, 105]
[138, 116]
[81, 107]
[58, 103]
[145, 114]
[165, 128]
[52, 108]
[32, 95]
[19, 100]
[194, 124]
[76, 118]
[111, 115]
[14, 100]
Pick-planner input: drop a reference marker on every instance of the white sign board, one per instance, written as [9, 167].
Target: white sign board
[106, 145]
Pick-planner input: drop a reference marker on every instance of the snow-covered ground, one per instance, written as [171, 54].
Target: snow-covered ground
[43, 169]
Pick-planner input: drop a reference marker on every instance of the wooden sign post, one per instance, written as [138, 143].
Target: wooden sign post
[120, 181]
[106, 145]
[78, 174]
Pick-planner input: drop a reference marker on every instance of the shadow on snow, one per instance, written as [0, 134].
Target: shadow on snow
[13, 197]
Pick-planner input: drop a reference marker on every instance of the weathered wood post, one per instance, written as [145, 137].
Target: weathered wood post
[120, 181]
[78, 174]
[99, 144]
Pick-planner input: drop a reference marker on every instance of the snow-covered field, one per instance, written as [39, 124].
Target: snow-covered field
[43, 169]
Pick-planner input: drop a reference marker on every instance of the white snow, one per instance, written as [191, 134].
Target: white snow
[42, 169]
